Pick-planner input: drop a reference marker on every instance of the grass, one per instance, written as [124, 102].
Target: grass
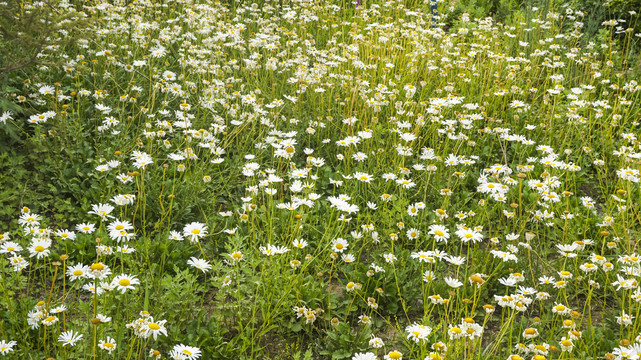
[321, 180]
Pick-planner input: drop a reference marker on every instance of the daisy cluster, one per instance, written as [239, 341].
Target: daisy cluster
[372, 181]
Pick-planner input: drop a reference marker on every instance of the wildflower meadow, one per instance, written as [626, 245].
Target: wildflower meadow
[320, 179]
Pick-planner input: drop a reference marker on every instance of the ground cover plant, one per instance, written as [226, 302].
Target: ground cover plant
[187, 179]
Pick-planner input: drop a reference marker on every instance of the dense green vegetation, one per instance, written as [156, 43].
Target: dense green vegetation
[319, 180]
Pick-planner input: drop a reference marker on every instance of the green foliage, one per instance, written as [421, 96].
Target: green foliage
[239, 143]
[499, 10]
[27, 28]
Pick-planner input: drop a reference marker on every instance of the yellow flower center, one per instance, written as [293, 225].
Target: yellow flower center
[395, 355]
[97, 267]
[119, 227]
[195, 231]
[39, 248]
[77, 273]
[154, 326]
[124, 282]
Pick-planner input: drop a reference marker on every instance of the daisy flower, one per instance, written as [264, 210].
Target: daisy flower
[78, 271]
[566, 344]
[29, 219]
[201, 264]
[393, 355]
[364, 319]
[413, 233]
[364, 356]
[339, 245]
[530, 333]
[376, 342]
[10, 247]
[102, 210]
[184, 352]
[176, 236]
[423, 256]
[103, 319]
[123, 282]
[195, 231]
[92, 289]
[86, 228]
[6, 347]
[109, 344]
[299, 243]
[69, 338]
[50, 320]
[466, 235]
[18, 263]
[439, 232]
[40, 248]
[236, 256]
[98, 271]
[389, 258]
[367, 178]
[418, 333]
[154, 329]
[155, 354]
[66, 234]
[453, 283]
[428, 276]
